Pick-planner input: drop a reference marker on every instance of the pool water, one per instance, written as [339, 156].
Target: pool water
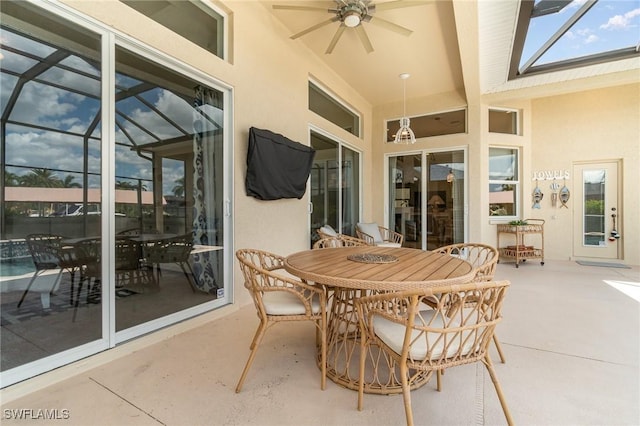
[13, 267]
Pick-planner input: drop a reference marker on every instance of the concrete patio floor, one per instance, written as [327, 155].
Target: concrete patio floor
[571, 336]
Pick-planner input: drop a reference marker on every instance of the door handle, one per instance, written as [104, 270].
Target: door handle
[614, 231]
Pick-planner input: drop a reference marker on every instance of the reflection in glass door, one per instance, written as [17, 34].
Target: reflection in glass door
[426, 204]
[50, 209]
[169, 192]
[405, 196]
[335, 186]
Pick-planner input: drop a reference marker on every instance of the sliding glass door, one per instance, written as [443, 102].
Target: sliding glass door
[335, 186]
[101, 213]
[427, 198]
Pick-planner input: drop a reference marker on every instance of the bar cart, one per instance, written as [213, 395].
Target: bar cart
[521, 252]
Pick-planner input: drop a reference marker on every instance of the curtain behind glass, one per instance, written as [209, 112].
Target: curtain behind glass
[205, 185]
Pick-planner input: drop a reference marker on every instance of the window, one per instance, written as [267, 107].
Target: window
[503, 121]
[328, 107]
[437, 124]
[193, 20]
[504, 182]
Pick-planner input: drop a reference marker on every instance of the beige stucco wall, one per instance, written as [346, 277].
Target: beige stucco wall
[590, 126]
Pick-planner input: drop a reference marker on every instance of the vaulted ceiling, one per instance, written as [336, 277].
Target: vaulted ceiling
[455, 45]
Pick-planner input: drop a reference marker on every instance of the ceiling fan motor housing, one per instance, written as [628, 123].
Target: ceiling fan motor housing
[353, 13]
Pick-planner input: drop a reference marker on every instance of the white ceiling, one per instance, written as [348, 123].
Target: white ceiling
[431, 54]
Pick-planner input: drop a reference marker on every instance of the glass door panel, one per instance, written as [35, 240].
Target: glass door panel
[350, 190]
[597, 213]
[325, 194]
[445, 198]
[168, 187]
[405, 196]
[50, 209]
[335, 186]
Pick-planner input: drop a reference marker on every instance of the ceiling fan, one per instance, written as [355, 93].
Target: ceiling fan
[352, 14]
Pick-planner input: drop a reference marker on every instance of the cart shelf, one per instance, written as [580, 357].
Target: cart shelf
[520, 252]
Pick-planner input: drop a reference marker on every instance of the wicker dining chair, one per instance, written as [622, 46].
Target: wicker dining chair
[281, 298]
[327, 231]
[170, 250]
[339, 241]
[48, 253]
[484, 259]
[453, 333]
[377, 235]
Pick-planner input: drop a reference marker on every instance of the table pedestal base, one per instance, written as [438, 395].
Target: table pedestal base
[382, 375]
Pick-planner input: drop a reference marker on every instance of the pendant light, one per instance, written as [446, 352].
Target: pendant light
[405, 134]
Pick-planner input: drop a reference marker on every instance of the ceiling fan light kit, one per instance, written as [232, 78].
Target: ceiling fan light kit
[352, 14]
[404, 135]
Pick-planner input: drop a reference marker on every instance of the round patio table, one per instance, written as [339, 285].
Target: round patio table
[353, 272]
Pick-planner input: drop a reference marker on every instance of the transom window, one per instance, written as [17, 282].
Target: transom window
[503, 120]
[329, 107]
[436, 124]
[194, 20]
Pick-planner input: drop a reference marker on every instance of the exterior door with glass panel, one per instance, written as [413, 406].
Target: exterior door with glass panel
[597, 229]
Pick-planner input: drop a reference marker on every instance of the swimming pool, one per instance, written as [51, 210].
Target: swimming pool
[16, 267]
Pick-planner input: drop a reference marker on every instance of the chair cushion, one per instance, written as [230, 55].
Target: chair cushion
[328, 230]
[392, 334]
[286, 303]
[371, 229]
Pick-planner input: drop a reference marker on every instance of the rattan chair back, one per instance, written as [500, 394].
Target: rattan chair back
[339, 241]
[482, 257]
[453, 333]
[279, 298]
[388, 236]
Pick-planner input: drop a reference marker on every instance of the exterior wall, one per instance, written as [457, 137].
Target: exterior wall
[593, 125]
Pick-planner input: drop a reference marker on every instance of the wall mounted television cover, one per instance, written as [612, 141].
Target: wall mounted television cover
[277, 167]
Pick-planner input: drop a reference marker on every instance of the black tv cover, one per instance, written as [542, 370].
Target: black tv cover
[277, 167]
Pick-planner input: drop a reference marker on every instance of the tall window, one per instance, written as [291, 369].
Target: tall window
[504, 182]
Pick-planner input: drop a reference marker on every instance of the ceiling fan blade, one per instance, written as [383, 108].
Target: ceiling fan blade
[364, 38]
[335, 38]
[314, 27]
[297, 7]
[397, 4]
[390, 26]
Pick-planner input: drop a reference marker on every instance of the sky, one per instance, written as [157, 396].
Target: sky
[57, 119]
[609, 25]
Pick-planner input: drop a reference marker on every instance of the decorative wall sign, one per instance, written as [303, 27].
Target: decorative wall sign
[550, 174]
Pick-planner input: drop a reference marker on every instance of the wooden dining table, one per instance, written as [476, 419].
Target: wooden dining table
[353, 272]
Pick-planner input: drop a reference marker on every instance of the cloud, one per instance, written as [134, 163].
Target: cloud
[621, 22]
[591, 39]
